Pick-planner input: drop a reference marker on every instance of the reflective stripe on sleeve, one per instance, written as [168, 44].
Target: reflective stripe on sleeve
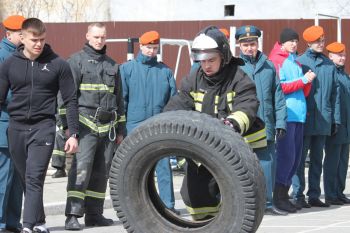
[256, 136]
[257, 139]
[59, 153]
[242, 119]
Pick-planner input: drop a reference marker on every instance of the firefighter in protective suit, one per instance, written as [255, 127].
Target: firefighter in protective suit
[58, 158]
[221, 89]
[102, 123]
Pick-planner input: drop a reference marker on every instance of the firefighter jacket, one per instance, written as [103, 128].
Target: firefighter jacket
[99, 91]
[229, 94]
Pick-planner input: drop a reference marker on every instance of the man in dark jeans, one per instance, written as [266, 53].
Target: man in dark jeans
[35, 74]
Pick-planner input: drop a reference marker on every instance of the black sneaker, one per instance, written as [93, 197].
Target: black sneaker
[97, 220]
[301, 202]
[275, 211]
[72, 223]
[334, 201]
[13, 229]
[315, 202]
[59, 173]
[344, 199]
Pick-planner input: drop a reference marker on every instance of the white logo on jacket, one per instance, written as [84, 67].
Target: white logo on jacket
[45, 67]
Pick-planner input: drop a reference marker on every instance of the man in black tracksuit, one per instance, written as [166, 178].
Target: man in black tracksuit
[102, 123]
[221, 89]
[35, 74]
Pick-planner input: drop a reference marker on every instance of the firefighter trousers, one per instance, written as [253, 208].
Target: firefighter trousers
[58, 154]
[87, 178]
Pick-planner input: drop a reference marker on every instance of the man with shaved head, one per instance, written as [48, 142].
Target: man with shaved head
[101, 118]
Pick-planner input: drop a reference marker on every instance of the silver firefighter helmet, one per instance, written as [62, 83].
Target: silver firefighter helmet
[209, 42]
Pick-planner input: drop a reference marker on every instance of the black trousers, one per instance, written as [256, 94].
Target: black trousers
[87, 178]
[31, 147]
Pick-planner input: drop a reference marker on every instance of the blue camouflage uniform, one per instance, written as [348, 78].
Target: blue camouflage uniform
[337, 146]
[147, 87]
[11, 190]
[323, 111]
[272, 110]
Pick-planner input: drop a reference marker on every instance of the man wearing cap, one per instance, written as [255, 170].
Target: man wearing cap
[272, 108]
[337, 146]
[323, 113]
[101, 126]
[295, 86]
[147, 87]
[10, 185]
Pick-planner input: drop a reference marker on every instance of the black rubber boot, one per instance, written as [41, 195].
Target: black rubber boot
[97, 220]
[281, 199]
[72, 223]
[59, 173]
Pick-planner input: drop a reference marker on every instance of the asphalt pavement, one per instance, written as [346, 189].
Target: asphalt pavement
[335, 219]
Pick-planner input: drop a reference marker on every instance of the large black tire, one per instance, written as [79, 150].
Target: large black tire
[204, 139]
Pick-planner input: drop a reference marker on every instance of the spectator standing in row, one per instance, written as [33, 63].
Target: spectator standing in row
[35, 74]
[147, 87]
[336, 159]
[272, 108]
[102, 123]
[11, 190]
[323, 114]
[296, 87]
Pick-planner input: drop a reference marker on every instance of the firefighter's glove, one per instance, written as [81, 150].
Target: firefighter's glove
[334, 129]
[232, 123]
[280, 133]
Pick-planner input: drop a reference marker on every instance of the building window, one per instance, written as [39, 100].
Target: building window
[229, 10]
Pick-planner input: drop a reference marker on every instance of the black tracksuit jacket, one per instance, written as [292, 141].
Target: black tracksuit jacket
[34, 86]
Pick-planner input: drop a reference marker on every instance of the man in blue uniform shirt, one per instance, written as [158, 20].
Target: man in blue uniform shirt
[11, 190]
[272, 109]
[147, 87]
[337, 146]
[323, 113]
